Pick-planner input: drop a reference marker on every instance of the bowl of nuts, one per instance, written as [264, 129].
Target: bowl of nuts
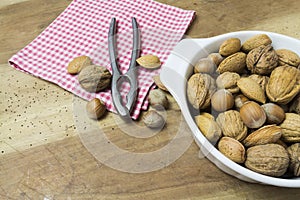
[240, 95]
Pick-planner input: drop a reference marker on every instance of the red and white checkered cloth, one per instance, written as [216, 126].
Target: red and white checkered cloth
[82, 29]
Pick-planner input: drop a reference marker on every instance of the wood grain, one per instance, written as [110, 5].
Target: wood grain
[41, 153]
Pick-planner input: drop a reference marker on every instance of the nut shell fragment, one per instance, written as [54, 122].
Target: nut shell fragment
[268, 159]
[284, 84]
[95, 108]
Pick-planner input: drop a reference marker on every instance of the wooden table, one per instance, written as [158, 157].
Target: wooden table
[41, 153]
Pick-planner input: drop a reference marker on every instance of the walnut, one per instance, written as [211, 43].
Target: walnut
[294, 154]
[158, 99]
[262, 60]
[94, 78]
[200, 88]
[295, 105]
[232, 125]
[268, 159]
[288, 57]
[228, 81]
[291, 128]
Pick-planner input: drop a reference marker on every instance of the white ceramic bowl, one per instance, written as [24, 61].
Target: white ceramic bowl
[179, 68]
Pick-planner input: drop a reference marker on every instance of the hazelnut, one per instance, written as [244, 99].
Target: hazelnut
[240, 100]
[158, 99]
[252, 114]
[95, 108]
[153, 119]
[216, 58]
[222, 100]
[275, 114]
[205, 65]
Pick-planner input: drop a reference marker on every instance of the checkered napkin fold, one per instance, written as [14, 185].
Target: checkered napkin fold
[82, 29]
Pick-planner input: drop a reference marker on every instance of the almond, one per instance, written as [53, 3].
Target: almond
[78, 63]
[264, 135]
[149, 61]
[256, 41]
[233, 63]
[251, 89]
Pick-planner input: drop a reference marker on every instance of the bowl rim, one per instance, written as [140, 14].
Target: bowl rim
[182, 51]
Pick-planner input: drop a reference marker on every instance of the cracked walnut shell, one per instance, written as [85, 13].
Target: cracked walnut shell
[262, 60]
[284, 84]
[200, 88]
